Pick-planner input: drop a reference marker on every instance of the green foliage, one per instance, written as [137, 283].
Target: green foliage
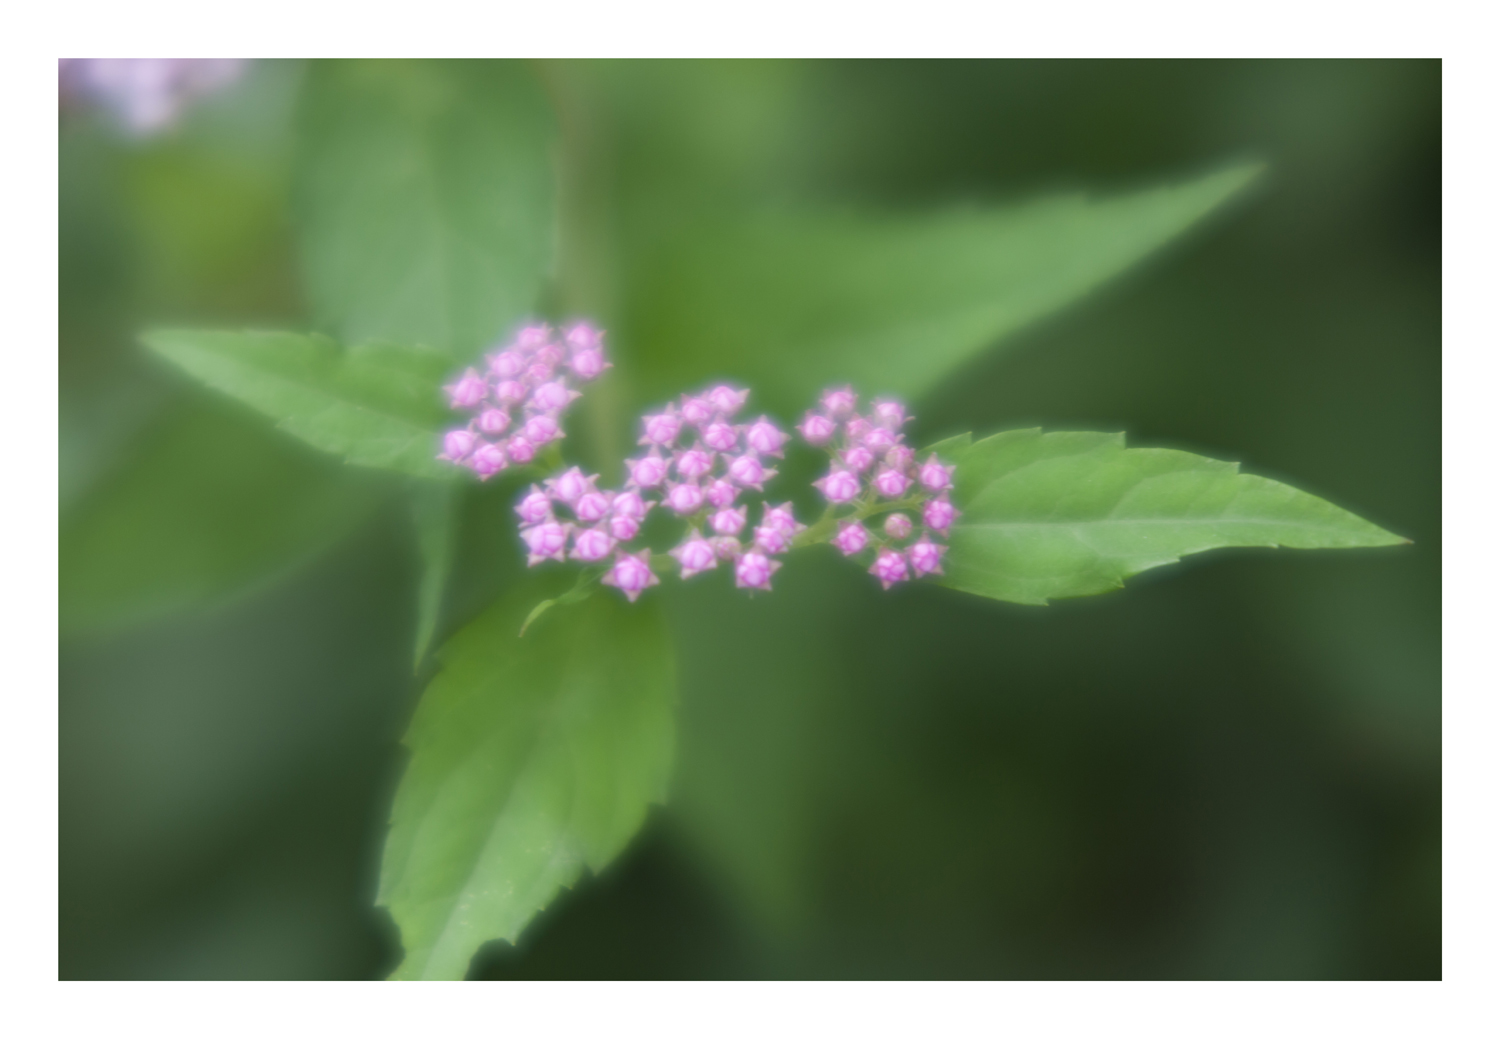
[375, 405]
[435, 515]
[425, 196]
[791, 303]
[531, 759]
[1056, 515]
[209, 502]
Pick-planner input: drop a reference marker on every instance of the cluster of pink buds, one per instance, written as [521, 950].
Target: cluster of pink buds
[518, 402]
[696, 464]
[874, 472]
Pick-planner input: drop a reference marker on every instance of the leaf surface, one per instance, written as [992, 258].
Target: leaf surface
[425, 198]
[1055, 515]
[531, 759]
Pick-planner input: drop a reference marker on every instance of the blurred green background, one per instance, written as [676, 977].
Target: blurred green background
[1229, 770]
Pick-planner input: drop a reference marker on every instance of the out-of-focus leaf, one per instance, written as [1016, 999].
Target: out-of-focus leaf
[531, 758]
[1056, 515]
[375, 405]
[210, 502]
[435, 516]
[425, 199]
[793, 302]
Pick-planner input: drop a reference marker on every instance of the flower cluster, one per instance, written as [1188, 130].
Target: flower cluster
[523, 392]
[146, 95]
[874, 472]
[696, 464]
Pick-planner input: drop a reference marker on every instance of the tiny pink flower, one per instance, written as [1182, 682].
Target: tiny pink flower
[533, 337]
[898, 525]
[851, 538]
[510, 391]
[536, 507]
[520, 449]
[693, 463]
[858, 459]
[549, 354]
[493, 421]
[588, 364]
[571, 485]
[696, 410]
[891, 483]
[764, 437]
[662, 429]
[726, 548]
[729, 521]
[817, 429]
[721, 494]
[773, 539]
[467, 392]
[584, 336]
[721, 437]
[754, 571]
[926, 558]
[696, 555]
[685, 498]
[648, 471]
[890, 567]
[457, 443]
[899, 457]
[630, 505]
[856, 429]
[553, 396]
[839, 402]
[747, 471]
[939, 514]
[726, 400]
[592, 545]
[507, 364]
[546, 541]
[781, 518]
[541, 429]
[623, 527]
[539, 372]
[889, 414]
[935, 475]
[592, 507]
[487, 460]
[839, 486]
[880, 439]
[631, 574]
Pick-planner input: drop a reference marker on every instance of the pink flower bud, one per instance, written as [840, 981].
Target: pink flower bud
[939, 514]
[571, 485]
[541, 429]
[898, 525]
[507, 364]
[890, 567]
[623, 527]
[721, 437]
[553, 396]
[632, 574]
[695, 555]
[726, 548]
[926, 558]
[693, 463]
[856, 429]
[880, 439]
[584, 336]
[936, 476]
[725, 400]
[533, 337]
[629, 504]
[549, 354]
[728, 521]
[891, 483]
[520, 449]
[773, 539]
[817, 429]
[538, 372]
[839, 486]
[592, 507]
[889, 414]
[764, 437]
[493, 421]
[858, 459]
[899, 457]
[839, 402]
[592, 545]
[754, 571]
[468, 391]
[747, 471]
[487, 460]
[721, 493]
[781, 518]
[851, 538]
[536, 507]
[588, 364]
[685, 498]
[648, 471]
[663, 428]
[696, 410]
[510, 391]
[457, 443]
[546, 541]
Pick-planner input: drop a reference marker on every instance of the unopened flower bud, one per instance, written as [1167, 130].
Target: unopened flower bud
[754, 571]
[629, 504]
[541, 429]
[571, 485]
[856, 429]
[839, 486]
[890, 567]
[507, 364]
[457, 443]
[648, 471]
[858, 459]
[747, 471]
[662, 429]
[467, 392]
[726, 400]
[938, 514]
[817, 429]
[692, 464]
[592, 507]
[623, 527]
[520, 449]
[880, 439]
[685, 498]
[839, 402]
[552, 396]
[764, 437]
[898, 525]
[632, 574]
[592, 545]
[721, 437]
[889, 414]
[891, 483]
[721, 493]
[926, 558]
[899, 457]
[546, 541]
[487, 460]
[493, 421]
[935, 475]
[781, 518]
[584, 336]
[773, 539]
[536, 507]
[696, 410]
[696, 555]
[729, 521]
[510, 391]
[851, 538]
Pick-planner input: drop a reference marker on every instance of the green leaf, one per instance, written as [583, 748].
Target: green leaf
[531, 759]
[435, 516]
[425, 199]
[208, 503]
[793, 302]
[1055, 515]
[374, 405]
